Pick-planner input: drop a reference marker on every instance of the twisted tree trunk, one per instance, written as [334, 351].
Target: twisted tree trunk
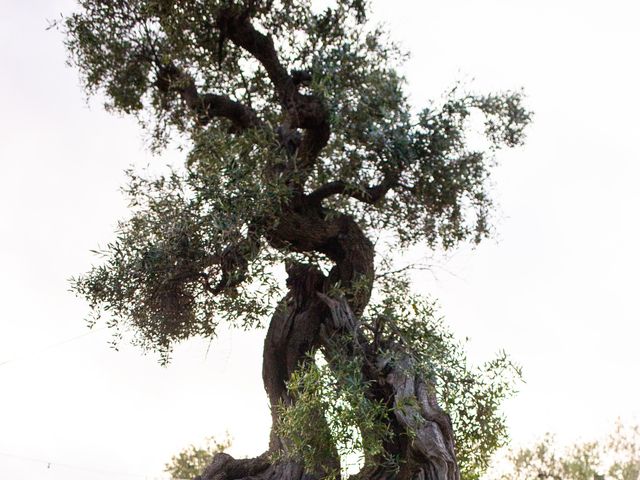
[306, 319]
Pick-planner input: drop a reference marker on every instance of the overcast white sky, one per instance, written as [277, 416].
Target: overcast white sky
[557, 288]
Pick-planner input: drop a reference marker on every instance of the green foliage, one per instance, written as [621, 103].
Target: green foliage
[616, 457]
[191, 461]
[471, 395]
[355, 422]
[447, 199]
[161, 272]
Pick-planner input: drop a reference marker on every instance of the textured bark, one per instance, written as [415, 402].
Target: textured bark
[293, 333]
[423, 432]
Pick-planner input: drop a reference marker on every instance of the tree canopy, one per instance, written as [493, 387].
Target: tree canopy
[301, 147]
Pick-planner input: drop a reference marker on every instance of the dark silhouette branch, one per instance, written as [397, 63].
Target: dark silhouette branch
[233, 263]
[370, 195]
[206, 106]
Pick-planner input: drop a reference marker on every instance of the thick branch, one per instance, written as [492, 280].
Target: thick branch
[235, 25]
[206, 106]
[226, 467]
[302, 111]
[370, 195]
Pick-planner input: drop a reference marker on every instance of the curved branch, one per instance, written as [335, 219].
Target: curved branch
[302, 111]
[205, 106]
[370, 195]
[233, 263]
[234, 24]
[340, 238]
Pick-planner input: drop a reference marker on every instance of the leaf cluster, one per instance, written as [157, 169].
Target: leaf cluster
[354, 422]
[190, 234]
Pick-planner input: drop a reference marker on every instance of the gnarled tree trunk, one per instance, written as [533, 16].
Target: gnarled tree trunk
[306, 319]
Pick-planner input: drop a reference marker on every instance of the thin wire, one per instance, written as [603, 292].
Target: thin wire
[72, 467]
[51, 347]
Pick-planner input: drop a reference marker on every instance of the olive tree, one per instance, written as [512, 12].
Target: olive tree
[301, 149]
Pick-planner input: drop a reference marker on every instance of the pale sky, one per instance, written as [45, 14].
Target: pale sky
[557, 288]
